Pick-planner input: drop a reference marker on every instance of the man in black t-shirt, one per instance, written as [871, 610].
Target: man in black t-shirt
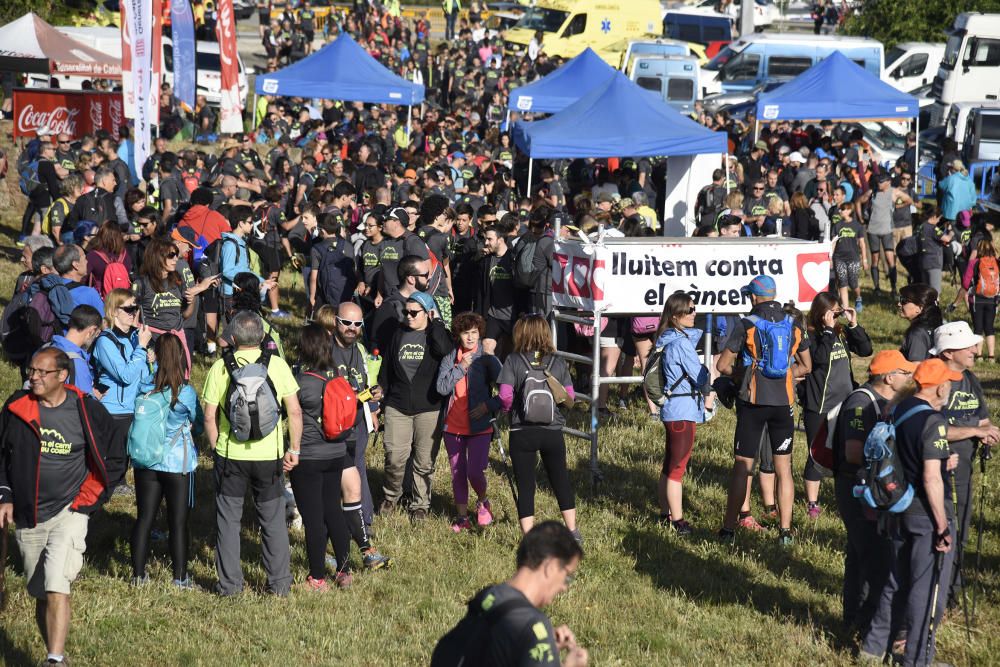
[498, 293]
[522, 636]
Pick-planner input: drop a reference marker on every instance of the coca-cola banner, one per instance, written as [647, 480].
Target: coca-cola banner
[75, 112]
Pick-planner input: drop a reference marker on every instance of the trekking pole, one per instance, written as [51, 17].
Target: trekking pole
[932, 609]
[508, 468]
[985, 454]
[959, 555]
[3, 567]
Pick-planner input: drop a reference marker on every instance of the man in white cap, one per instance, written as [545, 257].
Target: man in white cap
[969, 425]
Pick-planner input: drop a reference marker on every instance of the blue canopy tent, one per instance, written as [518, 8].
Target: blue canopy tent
[617, 119]
[342, 70]
[561, 88]
[839, 89]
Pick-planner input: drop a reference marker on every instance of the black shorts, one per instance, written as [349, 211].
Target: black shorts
[495, 328]
[984, 314]
[751, 420]
[881, 243]
[210, 301]
[264, 17]
[270, 259]
[310, 35]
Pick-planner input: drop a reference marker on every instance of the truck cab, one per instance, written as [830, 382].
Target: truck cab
[968, 70]
[568, 27]
[910, 65]
[674, 78]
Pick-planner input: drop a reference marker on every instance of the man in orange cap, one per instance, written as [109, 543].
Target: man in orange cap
[923, 554]
[868, 554]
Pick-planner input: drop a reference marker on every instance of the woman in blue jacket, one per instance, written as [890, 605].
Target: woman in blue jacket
[122, 362]
[686, 383]
[467, 378]
[173, 477]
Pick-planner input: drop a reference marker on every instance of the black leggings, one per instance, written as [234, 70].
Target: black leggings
[813, 422]
[316, 485]
[549, 443]
[150, 487]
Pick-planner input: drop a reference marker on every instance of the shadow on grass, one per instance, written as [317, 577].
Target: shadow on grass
[12, 654]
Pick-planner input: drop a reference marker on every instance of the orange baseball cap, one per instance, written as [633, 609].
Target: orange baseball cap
[888, 361]
[410, 173]
[934, 372]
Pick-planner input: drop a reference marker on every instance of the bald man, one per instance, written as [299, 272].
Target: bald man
[351, 360]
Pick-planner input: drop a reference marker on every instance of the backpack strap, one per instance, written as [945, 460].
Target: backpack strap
[916, 409]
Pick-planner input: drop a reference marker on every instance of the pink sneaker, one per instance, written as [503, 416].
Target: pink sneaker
[317, 585]
[814, 510]
[484, 515]
[460, 524]
[750, 523]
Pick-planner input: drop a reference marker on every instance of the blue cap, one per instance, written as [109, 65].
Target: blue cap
[820, 153]
[761, 286]
[457, 155]
[424, 299]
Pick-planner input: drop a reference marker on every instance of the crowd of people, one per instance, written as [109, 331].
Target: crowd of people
[425, 270]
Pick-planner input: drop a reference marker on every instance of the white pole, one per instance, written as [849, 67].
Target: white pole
[916, 152]
[666, 169]
[409, 123]
[727, 172]
[531, 163]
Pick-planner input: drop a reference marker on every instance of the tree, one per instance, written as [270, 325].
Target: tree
[894, 21]
[56, 13]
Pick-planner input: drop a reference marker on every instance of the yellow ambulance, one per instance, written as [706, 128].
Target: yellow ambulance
[570, 26]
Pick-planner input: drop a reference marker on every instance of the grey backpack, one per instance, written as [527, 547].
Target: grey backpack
[538, 404]
[252, 402]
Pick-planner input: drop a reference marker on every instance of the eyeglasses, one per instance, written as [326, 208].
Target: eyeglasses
[414, 313]
[42, 372]
[131, 310]
[758, 188]
[421, 275]
[350, 323]
[64, 142]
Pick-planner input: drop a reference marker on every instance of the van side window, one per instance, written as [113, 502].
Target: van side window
[914, 65]
[577, 26]
[688, 33]
[652, 83]
[982, 53]
[787, 66]
[680, 90]
[743, 66]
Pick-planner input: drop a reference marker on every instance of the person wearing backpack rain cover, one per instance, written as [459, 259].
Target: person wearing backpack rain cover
[241, 459]
[770, 343]
[923, 554]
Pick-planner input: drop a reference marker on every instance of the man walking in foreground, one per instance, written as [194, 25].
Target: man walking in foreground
[504, 625]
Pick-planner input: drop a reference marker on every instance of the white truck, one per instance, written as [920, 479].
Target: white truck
[910, 65]
[968, 70]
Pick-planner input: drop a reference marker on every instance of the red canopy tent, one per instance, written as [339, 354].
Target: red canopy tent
[29, 44]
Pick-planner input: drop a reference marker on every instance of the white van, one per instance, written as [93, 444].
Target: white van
[760, 57]
[910, 65]
[674, 78]
[651, 47]
[969, 67]
[108, 40]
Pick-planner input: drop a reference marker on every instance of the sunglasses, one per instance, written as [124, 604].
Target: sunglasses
[421, 275]
[172, 255]
[131, 310]
[414, 313]
[350, 323]
[691, 310]
[757, 189]
[903, 302]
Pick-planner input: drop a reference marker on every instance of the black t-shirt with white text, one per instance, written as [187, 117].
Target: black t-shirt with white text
[63, 466]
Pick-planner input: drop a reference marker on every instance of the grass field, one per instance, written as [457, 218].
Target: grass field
[642, 597]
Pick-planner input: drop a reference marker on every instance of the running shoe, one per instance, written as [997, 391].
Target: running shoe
[681, 527]
[785, 538]
[280, 314]
[814, 510]
[186, 584]
[373, 560]
[750, 523]
[460, 524]
[859, 305]
[484, 513]
[727, 536]
[317, 585]
[577, 536]
[343, 580]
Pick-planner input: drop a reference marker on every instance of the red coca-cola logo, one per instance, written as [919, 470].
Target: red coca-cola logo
[96, 113]
[115, 113]
[57, 121]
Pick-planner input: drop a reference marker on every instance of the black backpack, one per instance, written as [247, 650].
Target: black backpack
[526, 270]
[336, 274]
[710, 201]
[211, 260]
[465, 645]
[14, 330]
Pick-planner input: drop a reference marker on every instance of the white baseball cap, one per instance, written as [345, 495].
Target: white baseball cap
[796, 157]
[954, 336]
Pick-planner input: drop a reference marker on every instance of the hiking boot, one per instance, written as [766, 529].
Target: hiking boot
[460, 524]
[387, 507]
[343, 580]
[577, 536]
[20, 242]
[681, 527]
[280, 314]
[373, 560]
[726, 535]
[749, 523]
[814, 510]
[186, 584]
[858, 305]
[484, 514]
[785, 538]
[418, 516]
[316, 585]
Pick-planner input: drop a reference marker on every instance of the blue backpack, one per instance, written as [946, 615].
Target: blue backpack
[27, 167]
[147, 437]
[773, 341]
[883, 486]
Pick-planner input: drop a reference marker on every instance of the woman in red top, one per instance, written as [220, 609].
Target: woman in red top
[107, 247]
[468, 377]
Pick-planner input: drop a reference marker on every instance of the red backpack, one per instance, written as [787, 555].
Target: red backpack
[988, 284]
[115, 275]
[340, 406]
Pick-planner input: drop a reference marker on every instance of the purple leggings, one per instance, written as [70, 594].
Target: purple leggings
[467, 456]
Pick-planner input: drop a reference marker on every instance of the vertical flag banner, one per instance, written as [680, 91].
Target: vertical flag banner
[184, 59]
[128, 83]
[230, 106]
[139, 40]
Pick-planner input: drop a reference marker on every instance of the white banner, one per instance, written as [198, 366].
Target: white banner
[139, 17]
[156, 45]
[635, 278]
